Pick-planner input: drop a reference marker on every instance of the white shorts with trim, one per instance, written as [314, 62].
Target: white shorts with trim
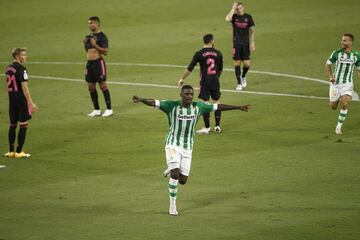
[336, 91]
[177, 157]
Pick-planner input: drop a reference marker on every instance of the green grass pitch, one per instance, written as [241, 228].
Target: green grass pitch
[278, 172]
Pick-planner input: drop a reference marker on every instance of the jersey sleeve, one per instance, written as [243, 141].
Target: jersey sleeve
[251, 21]
[357, 63]
[164, 105]
[23, 77]
[332, 58]
[221, 63]
[103, 41]
[206, 107]
[193, 62]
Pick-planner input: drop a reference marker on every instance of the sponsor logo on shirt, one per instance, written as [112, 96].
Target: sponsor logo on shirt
[186, 117]
[346, 61]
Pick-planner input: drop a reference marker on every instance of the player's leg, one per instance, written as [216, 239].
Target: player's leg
[215, 95]
[185, 166]
[205, 96]
[91, 82]
[245, 55]
[106, 92]
[24, 117]
[345, 99]
[100, 73]
[237, 64]
[14, 116]
[173, 162]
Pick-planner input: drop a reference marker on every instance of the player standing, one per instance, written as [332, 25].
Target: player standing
[21, 104]
[183, 116]
[341, 81]
[211, 67]
[243, 41]
[96, 45]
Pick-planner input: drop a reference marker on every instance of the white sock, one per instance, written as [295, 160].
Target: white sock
[173, 191]
[342, 117]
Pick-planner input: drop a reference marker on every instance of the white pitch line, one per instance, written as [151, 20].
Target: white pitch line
[182, 66]
[2, 166]
[172, 86]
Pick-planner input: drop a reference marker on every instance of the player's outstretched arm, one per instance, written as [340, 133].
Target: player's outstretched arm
[225, 107]
[229, 16]
[146, 101]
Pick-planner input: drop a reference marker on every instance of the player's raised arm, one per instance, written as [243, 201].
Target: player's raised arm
[225, 107]
[146, 101]
[229, 16]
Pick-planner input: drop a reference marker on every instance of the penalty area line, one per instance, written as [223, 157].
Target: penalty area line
[174, 87]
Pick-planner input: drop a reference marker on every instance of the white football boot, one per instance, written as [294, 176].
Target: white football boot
[239, 87]
[204, 130]
[94, 113]
[243, 82]
[172, 210]
[338, 130]
[107, 113]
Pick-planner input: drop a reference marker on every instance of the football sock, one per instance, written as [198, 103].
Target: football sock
[12, 137]
[342, 116]
[106, 93]
[238, 74]
[21, 137]
[94, 99]
[173, 190]
[245, 70]
[217, 117]
[206, 117]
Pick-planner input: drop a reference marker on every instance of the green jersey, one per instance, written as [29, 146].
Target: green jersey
[182, 120]
[344, 65]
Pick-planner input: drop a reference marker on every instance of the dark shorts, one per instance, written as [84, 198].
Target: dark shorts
[241, 52]
[205, 94]
[19, 113]
[95, 71]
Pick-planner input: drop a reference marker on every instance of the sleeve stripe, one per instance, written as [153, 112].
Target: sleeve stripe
[157, 104]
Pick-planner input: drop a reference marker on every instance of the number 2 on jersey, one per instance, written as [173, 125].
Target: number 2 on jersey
[211, 64]
[11, 80]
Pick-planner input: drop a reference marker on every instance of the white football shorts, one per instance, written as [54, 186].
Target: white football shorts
[177, 157]
[336, 91]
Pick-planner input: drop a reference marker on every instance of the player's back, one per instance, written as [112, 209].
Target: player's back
[211, 66]
[15, 75]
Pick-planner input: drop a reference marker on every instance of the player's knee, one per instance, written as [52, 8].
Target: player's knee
[182, 180]
[175, 173]
[24, 125]
[333, 106]
[13, 125]
[103, 88]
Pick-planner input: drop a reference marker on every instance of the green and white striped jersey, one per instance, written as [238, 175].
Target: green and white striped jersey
[182, 120]
[344, 65]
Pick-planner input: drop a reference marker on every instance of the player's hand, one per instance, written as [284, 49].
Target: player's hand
[136, 99]
[244, 108]
[33, 107]
[180, 83]
[93, 41]
[252, 46]
[234, 6]
[332, 80]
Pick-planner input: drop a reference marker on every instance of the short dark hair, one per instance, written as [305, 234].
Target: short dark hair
[349, 35]
[240, 3]
[16, 51]
[186, 87]
[208, 38]
[95, 18]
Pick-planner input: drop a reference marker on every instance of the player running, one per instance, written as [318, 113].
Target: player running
[211, 67]
[341, 81]
[21, 105]
[243, 41]
[96, 45]
[183, 116]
